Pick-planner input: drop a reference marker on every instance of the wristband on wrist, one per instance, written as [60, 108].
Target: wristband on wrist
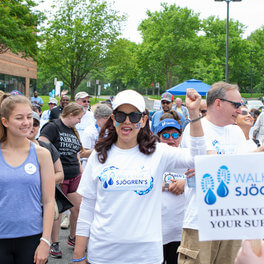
[45, 240]
[166, 187]
[78, 260]
[196, 119]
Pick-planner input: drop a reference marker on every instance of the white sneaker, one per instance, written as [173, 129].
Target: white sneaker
[65, 221]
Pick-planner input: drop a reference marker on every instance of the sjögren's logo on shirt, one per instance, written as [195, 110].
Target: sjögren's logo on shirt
[115, 179]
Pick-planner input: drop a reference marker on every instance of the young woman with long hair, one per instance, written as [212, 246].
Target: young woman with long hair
[26, 187]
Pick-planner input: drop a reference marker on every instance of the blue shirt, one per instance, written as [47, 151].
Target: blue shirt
[37, 100]
[20, 197]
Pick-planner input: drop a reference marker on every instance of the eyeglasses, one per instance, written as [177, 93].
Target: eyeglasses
[35, 124]
[203, 111]
[235, 104]
[86, 101]
[167, 135]
[165, 102]
[134, 117]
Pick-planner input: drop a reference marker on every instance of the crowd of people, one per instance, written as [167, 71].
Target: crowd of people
[124, 175]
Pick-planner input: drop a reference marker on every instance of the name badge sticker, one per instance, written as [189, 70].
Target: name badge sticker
[168, 176]
[30, 168]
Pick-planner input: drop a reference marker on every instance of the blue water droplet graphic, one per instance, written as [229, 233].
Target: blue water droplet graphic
[105, 185]
[222, 189]
[110, 182]
[210, 197]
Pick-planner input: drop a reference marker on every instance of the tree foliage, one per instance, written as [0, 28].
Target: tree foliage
[169, 44]
[18, 27]
[76, 40]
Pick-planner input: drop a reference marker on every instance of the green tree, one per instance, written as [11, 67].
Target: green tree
[76, 40]
[121, 63]
[169, 45]
[256, 40]
[18, 27]
[211, 65]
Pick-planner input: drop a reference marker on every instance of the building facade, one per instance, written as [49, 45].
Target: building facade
[17, 73]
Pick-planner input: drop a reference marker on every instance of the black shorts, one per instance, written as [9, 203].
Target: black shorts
[19, 250]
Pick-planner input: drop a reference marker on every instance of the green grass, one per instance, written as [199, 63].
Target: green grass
[46, 98]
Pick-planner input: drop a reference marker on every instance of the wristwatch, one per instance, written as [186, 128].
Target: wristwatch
[166, 187]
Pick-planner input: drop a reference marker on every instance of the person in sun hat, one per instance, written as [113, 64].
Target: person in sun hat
[46, 114]
[121, 187]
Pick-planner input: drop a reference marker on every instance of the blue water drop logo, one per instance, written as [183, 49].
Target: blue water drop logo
[110, 182]
[210, 197]
[222, 189]
[105, 185]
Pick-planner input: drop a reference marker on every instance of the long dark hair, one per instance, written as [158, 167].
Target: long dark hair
[108, 136]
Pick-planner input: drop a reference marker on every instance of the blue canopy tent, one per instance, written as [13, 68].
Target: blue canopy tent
[199, 86]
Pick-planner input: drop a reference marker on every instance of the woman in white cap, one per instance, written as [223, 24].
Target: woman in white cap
[122, 185]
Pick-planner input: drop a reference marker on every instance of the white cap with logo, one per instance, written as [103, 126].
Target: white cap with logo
[130, 97]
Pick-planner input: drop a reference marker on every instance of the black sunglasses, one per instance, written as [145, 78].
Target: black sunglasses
[86, 101]
[165, 102]
[134, 117]
[235, 104]
[203, 111]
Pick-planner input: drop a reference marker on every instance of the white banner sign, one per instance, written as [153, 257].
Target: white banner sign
[230, 196]
[156, 105]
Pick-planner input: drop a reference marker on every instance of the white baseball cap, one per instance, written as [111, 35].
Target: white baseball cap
[130, 97]
[53, 101]
[81, 95]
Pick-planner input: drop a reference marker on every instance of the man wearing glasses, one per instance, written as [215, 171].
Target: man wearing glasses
[166, 104]
[222, 137]
[83, 98]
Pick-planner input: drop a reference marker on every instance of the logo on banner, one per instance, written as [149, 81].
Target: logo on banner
[208, 185]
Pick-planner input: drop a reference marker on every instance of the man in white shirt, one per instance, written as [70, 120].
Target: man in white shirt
[83, 98]
[222, 137]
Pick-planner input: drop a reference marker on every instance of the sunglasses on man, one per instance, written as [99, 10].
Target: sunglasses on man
[235, 104]
[165, 102]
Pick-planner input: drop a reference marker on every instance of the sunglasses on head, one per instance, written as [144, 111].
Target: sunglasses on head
[167, 135]
[134, 117]
[165, 102]
[235, 104]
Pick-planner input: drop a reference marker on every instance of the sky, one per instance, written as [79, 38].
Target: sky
[248, 12]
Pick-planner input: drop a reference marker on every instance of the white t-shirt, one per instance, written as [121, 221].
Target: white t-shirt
[88, 139]
[126, 227]
[173, 207]
[87, 120]
[225, 140]
[89, 136]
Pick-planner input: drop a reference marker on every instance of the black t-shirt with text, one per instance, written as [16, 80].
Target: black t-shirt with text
[68, 145]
